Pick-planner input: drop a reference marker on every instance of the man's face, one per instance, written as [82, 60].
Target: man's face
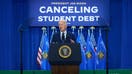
[62, 26]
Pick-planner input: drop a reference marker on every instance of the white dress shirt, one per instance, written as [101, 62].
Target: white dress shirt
[65, 33]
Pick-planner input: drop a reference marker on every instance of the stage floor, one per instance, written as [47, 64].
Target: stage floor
[120, 71]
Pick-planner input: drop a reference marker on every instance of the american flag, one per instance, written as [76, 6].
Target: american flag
[43, 48]
[39, 56]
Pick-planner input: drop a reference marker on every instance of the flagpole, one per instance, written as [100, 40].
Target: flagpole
[53, 28]
[21, 63]
[44, 29]
[73, 29]
[92, 28]
[21, 29]
[81, 27]
[106, 29]
[107, 60]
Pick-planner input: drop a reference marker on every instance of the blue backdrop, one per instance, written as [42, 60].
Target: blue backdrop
[84, 12]
[14, 12]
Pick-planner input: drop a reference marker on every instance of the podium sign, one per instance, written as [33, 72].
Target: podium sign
[64, 54]
[64, 58]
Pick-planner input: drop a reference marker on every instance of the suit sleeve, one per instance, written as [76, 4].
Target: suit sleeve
[73, 38]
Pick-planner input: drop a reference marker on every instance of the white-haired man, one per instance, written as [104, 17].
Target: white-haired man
[63, 36]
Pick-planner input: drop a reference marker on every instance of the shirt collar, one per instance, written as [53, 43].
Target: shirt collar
[64, 32]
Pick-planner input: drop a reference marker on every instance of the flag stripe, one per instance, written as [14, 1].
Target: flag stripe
[38, 60]
[39, 55]
[40, 50]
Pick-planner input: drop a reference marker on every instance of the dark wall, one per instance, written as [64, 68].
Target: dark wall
[7, 40]
[126, 60]
[115, 34]
[15, 12]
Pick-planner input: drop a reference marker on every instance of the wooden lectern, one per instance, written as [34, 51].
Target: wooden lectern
[64, 58]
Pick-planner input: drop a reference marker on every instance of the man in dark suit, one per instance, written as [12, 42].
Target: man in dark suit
[63, 36]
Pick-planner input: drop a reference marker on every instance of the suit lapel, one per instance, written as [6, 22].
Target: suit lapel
[59, 36]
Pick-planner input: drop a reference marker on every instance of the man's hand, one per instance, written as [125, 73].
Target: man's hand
[72, 41]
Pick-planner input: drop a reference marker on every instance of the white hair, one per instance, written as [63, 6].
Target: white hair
[64, 21]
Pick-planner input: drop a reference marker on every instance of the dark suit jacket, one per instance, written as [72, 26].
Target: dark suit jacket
[57, 39]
